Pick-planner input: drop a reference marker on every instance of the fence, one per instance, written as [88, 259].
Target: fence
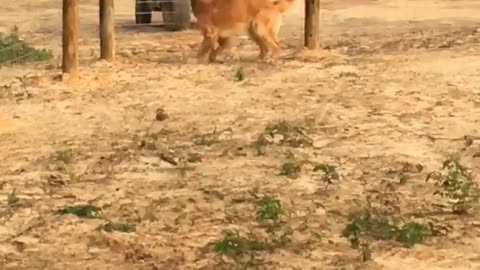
[175, 13]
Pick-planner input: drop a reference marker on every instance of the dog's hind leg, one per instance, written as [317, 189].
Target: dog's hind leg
[273, 30]
[267, 28]
[254, 35]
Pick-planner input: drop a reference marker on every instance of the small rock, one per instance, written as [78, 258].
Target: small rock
[161, 115]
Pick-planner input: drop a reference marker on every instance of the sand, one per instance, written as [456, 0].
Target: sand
[395, 83]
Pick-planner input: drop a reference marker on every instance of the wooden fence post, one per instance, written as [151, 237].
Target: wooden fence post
[107, 30]
[70, 33]
[312, 24]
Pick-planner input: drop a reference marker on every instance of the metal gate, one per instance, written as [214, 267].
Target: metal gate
[175, 13]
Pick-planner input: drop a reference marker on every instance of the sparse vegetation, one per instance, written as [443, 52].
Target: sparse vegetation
[14, 50]
[12, 199]
[379, 228]
[82, 211]
[240, 74]
[65, 156]
[269, 208]
[244, 250]
[291, 169]
[132, 164]
[456, 183]
[330, 173]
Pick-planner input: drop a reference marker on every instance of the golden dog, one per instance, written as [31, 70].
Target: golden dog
[220, 20]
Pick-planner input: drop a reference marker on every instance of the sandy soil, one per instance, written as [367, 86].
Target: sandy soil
[396, 82]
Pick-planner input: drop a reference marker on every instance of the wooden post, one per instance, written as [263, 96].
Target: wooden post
[312, 24]
[107, 30]
[71, 29]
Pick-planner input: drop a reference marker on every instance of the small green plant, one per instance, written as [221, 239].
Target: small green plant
[411, 233]
[260, 145]
[233, 244]
[269, 208]
[12, 199]
[402, 178]
[14, 49]
[330, 173]
[456, 183]
[240, 74]
[291, 169]
[82, 211]
[119, 227]
[244, 250]
[65, 156]
[379, 228]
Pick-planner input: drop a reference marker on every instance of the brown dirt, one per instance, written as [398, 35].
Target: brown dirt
[396, 82]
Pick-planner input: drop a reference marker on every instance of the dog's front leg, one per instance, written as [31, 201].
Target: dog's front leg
[205, 48]
[224, 43]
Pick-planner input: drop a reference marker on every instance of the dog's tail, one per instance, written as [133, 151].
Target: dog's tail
[283, 5]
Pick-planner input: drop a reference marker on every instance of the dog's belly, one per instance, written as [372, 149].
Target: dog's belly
[233, 31]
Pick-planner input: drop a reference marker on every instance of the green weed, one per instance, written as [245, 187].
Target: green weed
[260, 145]
[330, 173]
[456, 183]
[82, 211]
[240, 74]
[65, 156]
[379, 228]
[244, 250]
[14, 49]
[233, 244]
[291, 169]
[269, 208]
[12, 199]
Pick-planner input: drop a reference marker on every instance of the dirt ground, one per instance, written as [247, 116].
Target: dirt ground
[397, 82]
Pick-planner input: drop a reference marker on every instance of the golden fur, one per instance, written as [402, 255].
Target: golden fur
[220, 20]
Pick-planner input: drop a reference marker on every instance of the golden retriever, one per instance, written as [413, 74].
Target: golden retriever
[220, 20]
